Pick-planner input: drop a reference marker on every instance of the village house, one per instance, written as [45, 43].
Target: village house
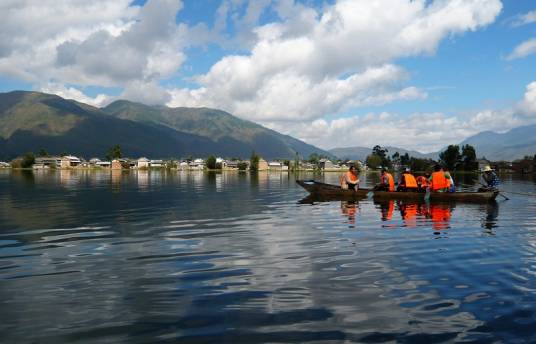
[68, 161]
[116, 165]
[183, 165]
[47, 162]
[156, 163]
[197, 164]
[230, 164]
[325, 164]
[274, 166]
[143, 163]
[4, 164]
[96, 162]
[263, 165]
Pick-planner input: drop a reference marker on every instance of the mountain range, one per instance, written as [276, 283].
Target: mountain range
[513, 144]
[31, 121]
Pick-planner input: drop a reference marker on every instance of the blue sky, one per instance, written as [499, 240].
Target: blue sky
[418, 74]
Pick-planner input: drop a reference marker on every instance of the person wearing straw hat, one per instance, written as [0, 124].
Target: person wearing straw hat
[490, 178]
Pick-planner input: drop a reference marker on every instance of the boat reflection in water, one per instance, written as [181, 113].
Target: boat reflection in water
[410, 214]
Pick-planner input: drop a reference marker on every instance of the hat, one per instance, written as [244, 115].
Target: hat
[487, 169]
[408, 169]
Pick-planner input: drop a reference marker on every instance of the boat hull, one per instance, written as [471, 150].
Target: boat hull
[335, 192]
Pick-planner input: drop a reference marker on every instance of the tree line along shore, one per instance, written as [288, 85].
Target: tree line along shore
[453, 158]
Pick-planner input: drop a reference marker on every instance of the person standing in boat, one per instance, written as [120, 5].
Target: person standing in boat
[350, 179]
[491, 180]
[407, 181]
[387, 182]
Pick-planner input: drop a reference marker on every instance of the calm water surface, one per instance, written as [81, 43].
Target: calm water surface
[231, 258]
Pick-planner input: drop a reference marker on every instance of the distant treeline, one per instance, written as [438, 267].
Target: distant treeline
[452, 158]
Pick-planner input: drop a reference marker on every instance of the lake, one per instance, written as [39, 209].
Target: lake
[158, 257]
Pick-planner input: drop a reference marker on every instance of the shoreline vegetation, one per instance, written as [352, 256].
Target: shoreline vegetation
[454, 160]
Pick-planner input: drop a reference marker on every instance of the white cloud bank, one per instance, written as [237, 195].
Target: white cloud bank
[425, 132]
[312, 64]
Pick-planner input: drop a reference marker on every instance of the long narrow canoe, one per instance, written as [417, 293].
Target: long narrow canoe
[331, 191]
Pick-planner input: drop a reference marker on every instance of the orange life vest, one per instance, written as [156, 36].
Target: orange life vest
[390, 181]
[352, 177]
[439, 181]
[409, 181]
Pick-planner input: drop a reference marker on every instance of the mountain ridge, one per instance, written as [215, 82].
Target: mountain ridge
[30, 121]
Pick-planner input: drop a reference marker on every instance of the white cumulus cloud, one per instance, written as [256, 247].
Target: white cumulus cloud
[320, 62]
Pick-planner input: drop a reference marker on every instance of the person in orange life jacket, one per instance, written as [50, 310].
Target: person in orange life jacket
[387, 182]
[422, 182]
[439, 180]
[407, 181]
[351, 179]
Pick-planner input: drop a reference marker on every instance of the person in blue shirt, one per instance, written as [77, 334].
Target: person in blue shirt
[490, 178]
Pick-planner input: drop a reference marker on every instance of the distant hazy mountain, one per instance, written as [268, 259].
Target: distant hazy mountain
[508, 146]
[360, 153]
[30, 121]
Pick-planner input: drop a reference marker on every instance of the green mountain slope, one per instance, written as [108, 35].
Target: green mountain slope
[219, 126]
[30, 121]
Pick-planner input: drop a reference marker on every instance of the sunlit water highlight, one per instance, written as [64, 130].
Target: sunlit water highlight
[230, 258]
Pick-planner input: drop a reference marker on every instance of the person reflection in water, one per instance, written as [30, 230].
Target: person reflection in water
[492, 212]
[440, 214]
[387, 210]
[349, 209]
[409, 212]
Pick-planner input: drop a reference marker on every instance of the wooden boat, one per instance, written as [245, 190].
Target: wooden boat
[335, 192]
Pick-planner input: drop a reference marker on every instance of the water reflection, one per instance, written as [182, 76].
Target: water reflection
[200, 257]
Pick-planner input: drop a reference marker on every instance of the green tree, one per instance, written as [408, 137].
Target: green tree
[420, 165]
[451, 157]
[405, 159]
[27, 160]
[254, 161]
[211, 162]
[114, 153]
[42, 153]
[314, 158]
[469, 158]
[242, 166]
[382, 153]
[374, 161]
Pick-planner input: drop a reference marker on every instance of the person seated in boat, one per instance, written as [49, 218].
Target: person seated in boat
[407, 181]
[387, 182]
[422, 182]
[452, 186]
[439, 180]
[350, 180]
[491, 180]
